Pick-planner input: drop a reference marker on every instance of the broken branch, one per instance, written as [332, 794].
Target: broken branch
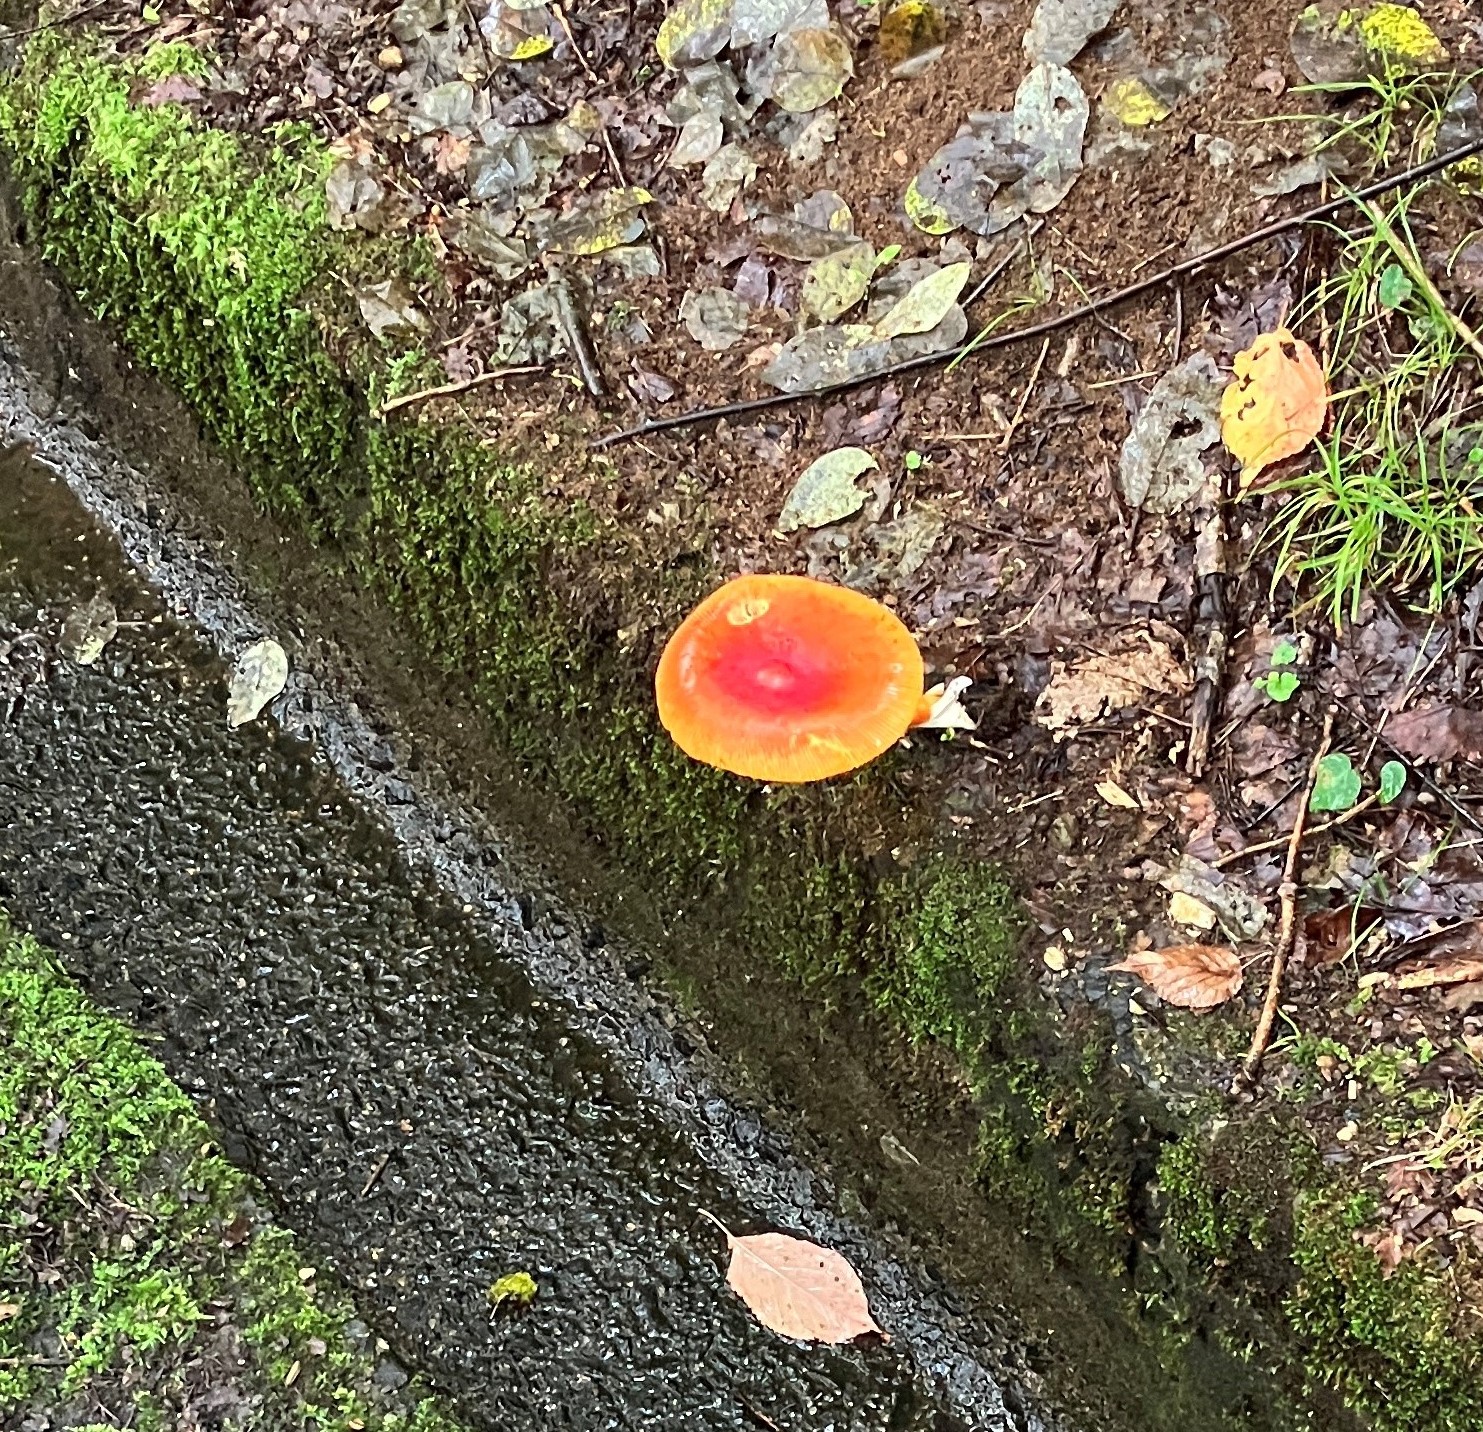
[448, 390]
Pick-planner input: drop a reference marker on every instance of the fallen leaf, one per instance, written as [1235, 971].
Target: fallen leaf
[1186, 910]
[1337, 784]
[1437, 733]
[926, 304]
[910, 29]
[1459, 969]
[1242, 916]
[260, 674]
[1190, 976]
[692, 31]
[1331, 934]
[714, 317]
[173, 89]
[798, 1289]
[1275, 405]
[1464, 997]
[805, 69]
[826, 491]
[390, 307]
[1115, 795]
[9, 1310]
[1161, 468]
[945, 707]
[699, 141]
[1130, 100]
[597, 222]
[753, 21]
[1081, 692]
[1061, 29]
[88, 629]
[835, 284]
[727, 172]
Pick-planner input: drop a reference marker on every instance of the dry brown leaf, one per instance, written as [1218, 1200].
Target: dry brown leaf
[1190, 976]
[1464, 997]
[1085, 690]
[1275, 405]
[798, 1289]
[1460, 969]
[1437, 733]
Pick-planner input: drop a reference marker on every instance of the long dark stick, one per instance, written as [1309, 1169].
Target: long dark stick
[1065, 320]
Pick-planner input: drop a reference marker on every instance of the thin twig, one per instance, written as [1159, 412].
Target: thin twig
[1019, 412]
[577, 337]
[1123, 295]
[77, 15]
[571, 39]
[35, 1362]
[375, 1173]
[449, 389]
[1277, 840]
[1287, 932]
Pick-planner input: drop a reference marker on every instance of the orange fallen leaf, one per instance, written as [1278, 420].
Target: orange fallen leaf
[1275, 405]
[1190, 976]
[797, 1288]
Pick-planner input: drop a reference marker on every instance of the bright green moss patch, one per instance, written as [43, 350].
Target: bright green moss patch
[131, 1253]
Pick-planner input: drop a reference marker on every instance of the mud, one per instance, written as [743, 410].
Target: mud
[342, 1015]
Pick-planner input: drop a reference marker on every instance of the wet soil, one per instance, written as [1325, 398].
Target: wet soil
[373, 1050]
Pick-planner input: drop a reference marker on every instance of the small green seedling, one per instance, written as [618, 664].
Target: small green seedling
[1280, 682]
[914, 460]
[514, 1290]
[1395, 286]
[1392, 781]
[1337, 785]
[887, 255]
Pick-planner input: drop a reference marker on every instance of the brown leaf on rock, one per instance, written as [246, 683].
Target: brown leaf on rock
[1437, 733]
[798, 1289]
[1464, 997]
[1190, 976]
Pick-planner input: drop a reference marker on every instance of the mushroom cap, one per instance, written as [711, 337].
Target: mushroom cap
[788, 679]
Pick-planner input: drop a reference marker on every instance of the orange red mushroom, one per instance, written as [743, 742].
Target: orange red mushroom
[787, 679]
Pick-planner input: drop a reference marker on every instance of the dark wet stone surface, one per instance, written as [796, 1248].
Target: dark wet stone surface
[343, 1017]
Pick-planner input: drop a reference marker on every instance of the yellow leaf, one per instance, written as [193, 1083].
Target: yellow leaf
[930, 218]
[910, 28]
[1134, 103]
[1275, 405]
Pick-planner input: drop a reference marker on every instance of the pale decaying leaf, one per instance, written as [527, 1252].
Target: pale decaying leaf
[1116, 796]
[1276, 403]
[1186, 910]
[836, 283]
[692, 31]
[1456, 969]
[260, 674]
[826, 491]
[1241, 915]
[926, 304]
[1190, 976]
[1161, 467]
[88, 629]
[798, 1289]
[1085, 690]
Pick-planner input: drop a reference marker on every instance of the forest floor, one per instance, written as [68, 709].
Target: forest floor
[1160, 651]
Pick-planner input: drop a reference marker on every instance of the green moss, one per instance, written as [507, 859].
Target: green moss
[1387, 1344]
[950, 936]
[103, 1156]
[161, 226]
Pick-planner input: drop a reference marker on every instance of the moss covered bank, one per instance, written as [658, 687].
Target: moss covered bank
[210, 257]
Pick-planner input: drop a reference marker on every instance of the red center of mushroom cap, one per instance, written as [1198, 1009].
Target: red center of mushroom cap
[788, 679]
